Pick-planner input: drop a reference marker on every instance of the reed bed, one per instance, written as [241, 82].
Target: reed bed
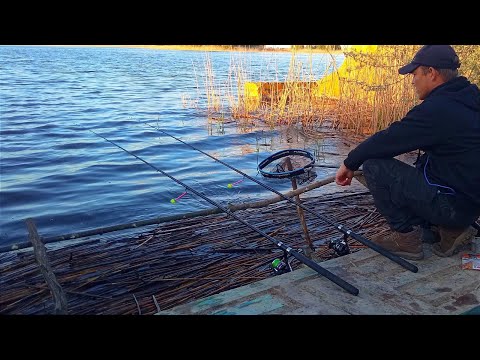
[363, 95]
[177, 262]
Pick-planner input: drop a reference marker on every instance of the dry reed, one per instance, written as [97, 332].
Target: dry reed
[365, 94]
[178, 261]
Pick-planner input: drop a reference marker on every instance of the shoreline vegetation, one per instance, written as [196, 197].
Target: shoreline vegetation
[363, 95]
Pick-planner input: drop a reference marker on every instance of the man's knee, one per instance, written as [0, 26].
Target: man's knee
[370, 168]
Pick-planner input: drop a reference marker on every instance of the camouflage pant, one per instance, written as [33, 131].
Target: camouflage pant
[404, 198]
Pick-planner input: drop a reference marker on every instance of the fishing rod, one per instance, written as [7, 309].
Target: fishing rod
[346, 232]
[286, 249]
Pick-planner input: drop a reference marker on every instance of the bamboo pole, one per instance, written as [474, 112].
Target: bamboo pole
[300, 212]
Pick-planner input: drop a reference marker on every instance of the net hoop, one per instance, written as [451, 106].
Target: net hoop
[286, 174]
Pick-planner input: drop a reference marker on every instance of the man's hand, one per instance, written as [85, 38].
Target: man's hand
[344, 176]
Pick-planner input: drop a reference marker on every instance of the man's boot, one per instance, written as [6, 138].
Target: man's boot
[431, 234]
[406, 245]
[452, 239]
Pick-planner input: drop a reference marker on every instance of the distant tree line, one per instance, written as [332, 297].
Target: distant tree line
[319, 47]
[262, 47]
[299, 47]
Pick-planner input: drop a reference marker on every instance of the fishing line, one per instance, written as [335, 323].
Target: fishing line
[287, 250]
[347, 232]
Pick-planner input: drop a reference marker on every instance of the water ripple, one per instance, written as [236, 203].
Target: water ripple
[68, 179]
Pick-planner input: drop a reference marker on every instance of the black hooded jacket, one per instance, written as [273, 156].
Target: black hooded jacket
[446, 126]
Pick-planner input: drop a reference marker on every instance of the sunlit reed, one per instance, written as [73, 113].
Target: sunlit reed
[363, 95]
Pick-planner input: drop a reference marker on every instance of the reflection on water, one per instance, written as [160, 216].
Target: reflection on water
[56, 171]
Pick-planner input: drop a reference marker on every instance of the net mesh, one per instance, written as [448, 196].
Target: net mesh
[298, 162]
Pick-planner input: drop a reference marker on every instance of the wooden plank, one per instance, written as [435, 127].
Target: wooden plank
[60, 300]
[444, 287]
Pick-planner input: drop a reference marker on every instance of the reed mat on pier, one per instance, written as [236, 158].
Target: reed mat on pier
[179, 261]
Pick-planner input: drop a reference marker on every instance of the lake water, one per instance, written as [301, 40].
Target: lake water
[55, 170]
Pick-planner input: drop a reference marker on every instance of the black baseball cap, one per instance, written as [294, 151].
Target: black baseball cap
[437, 56]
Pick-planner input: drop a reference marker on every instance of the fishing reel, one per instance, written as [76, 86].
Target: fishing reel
[281, 265]
[339, 246]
